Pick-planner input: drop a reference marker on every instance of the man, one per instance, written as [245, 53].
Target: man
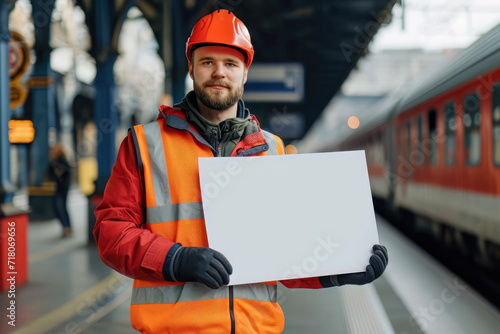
[150, 223]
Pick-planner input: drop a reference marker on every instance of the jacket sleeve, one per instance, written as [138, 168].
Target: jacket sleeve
[123, 244]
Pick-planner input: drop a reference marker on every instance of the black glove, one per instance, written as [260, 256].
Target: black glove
[201, 264]
[378, 263]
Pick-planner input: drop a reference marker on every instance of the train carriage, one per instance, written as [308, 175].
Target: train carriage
[446, 139]
[433, 149]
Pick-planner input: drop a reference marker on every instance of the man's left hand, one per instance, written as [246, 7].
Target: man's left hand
[378, 263]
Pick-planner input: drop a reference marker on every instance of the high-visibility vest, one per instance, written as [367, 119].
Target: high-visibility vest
[168, 151]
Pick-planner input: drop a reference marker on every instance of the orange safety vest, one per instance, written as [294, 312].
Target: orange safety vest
[169, 149]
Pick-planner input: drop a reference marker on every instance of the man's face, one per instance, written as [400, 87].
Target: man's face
[218, 74]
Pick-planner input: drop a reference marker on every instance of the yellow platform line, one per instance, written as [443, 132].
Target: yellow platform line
[67, 311]
[101, 313]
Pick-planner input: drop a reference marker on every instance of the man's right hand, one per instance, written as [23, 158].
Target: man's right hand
[201, 264]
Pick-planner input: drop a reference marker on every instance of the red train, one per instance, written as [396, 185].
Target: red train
[433, 150]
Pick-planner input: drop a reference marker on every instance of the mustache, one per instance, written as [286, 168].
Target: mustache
[217, 83]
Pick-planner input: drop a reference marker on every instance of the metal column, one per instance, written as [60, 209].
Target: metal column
[42, 90]
[179, 62]
[105, 118]
[108, 23]
[166, 45]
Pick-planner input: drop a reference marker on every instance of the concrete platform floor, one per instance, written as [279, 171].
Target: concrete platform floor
[70, 290]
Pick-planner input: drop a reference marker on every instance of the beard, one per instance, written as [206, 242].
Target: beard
[215, 99]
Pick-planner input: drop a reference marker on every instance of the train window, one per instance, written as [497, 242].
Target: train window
[472, 134]
[496, 124]
[450, 142]
[420, 156]
[433, 148]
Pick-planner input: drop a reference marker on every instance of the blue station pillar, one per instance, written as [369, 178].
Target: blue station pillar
[107, 24]
[172, 49]
[42, 90]
[179, 62]
[105, 116]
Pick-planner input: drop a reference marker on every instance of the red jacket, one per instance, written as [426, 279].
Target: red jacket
[125, 246]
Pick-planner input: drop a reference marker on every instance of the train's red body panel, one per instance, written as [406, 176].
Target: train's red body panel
[463, 195]
[483, 178]
[433, 149]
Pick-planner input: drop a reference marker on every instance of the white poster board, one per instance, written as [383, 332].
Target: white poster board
[291, 216]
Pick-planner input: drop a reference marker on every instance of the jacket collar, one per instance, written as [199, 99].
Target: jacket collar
[185, 116]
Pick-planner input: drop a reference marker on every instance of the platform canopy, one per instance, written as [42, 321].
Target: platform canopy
[326, 38]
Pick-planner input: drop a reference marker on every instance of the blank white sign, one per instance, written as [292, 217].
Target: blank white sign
[290, 216]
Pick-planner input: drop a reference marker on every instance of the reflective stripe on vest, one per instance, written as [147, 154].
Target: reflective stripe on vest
[191, 292]
[276, 146]
[173, 212]
[152, 133]
[164, 211]
[272, 142]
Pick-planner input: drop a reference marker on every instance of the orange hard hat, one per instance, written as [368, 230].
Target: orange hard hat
[221, 27]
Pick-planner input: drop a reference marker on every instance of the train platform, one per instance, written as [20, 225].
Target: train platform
[70, 290]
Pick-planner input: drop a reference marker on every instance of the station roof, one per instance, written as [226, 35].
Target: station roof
[327, 37]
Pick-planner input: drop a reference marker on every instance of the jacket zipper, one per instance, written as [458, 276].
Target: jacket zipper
[222, 133]
[231, 310]
[219, 146]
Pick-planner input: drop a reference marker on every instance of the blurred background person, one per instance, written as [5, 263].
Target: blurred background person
[60, 173]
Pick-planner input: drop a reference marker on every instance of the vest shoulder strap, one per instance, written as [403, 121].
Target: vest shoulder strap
[152, 126]
[276, 146]
[137, 152]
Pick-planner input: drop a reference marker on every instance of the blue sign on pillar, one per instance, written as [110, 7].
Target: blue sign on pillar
[275, 82]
